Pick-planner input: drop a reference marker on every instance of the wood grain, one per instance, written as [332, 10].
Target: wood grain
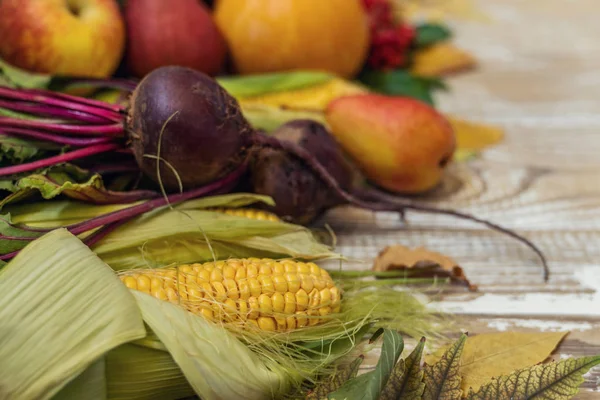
[538, 79]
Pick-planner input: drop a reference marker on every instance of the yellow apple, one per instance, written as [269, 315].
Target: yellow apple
[62, 37]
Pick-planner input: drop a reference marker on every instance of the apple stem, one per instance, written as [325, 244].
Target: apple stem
[44, 110]
[49, 137]
[66, 157]
[115, 129]
[114, 219]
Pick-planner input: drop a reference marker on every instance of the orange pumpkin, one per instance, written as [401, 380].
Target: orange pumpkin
[284, 35]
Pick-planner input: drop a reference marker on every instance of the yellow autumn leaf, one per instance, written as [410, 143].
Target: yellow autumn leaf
[492, 355]
[315, 97]
[472, 137]
[441, 59]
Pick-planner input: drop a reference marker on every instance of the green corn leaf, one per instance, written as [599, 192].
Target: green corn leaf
[442, 379]
[370, 385]
[406, 381]
[72, 182]
[402, 83]
[61, 309]
[429, 34]
[552, 381]
[259, 84]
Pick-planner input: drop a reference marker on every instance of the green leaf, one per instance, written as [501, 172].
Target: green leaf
[428, 34]
[552, 381]
[369, 386]
[406, 382]
[9, 233]
[336, 380]
[442, 379]
[402, 83]
[15, 150]
[73, 182]
[17, 77]
[259, 84]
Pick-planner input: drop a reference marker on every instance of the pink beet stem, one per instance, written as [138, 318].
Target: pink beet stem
[80, 100]
[112, 129]
[98, 108]
[223, 185]
[46, 162]
[49, 137]
[44, 110]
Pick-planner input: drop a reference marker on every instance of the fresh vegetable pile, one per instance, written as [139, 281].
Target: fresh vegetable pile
[163, 180]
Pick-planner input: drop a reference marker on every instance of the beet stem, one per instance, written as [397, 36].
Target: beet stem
[259, 139]
[46, 162]
[112, 129]
[222, 185]
[43, 110]
[59, 99]
[49, 137]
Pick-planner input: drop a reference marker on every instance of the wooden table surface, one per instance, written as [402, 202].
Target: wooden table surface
[539, 78]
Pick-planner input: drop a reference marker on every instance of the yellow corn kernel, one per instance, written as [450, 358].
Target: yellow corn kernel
[324, 311]
[280, 283]
[254, 308]
[252, 323]
[281, 326]
[249, 213]
[306, 282]
[143, 284]
[319, 283]
[266, 284]
[265, 269]
[160, 294]
[267, 324]
[195, 294]
[325, 297]
[172, 295]
[303, 268]
[244, 288]
[290, 303]
[228, 272]
[301, 319]
[207, 313]
[130, 282]
[220, 292]
[185, 269]
[251, 271]
[216, 275]
[255, 287]
[230, 310]
[290, 323]
[265, 305]
[314, 299]
[293, 281]
[314, 269]
[203, 276]
[156, 283]
[301, 300]
[231, 288]
[290, 266]
[313, 317]
[278, 302]
[278, 269]
[243, 309]
[208, 291]
[240, 273]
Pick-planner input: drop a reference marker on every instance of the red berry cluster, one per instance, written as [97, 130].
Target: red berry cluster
[390, 41]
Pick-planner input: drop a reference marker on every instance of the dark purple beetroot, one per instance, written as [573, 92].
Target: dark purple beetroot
[206, 135]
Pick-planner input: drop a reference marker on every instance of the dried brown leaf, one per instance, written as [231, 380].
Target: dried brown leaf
[421, 263]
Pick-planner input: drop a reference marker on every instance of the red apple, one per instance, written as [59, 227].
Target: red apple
[173, 32]
[62, 37]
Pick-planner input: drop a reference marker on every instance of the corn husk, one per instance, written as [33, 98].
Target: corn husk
[185, 233]
[89, 385]
[217, 365]
[135, 372]
[61, 309]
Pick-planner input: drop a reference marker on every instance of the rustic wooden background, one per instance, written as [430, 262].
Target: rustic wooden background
[539, 78]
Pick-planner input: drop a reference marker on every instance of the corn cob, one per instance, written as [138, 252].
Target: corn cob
[249, 213]
[271, 295]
